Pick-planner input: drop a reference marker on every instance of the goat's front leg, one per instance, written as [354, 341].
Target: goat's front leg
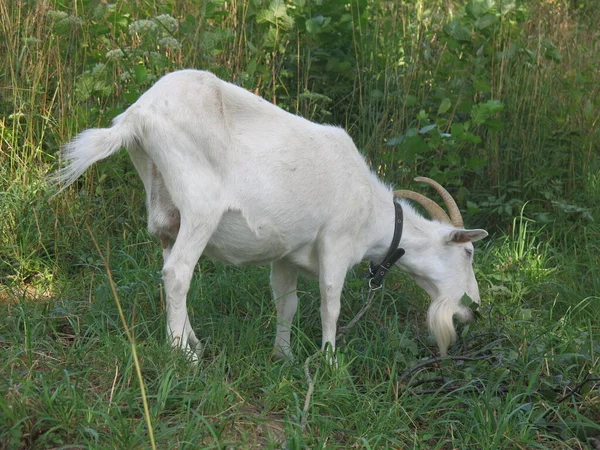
[331, 282]
[284, 277]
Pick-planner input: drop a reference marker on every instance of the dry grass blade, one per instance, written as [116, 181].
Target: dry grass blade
[136, 360]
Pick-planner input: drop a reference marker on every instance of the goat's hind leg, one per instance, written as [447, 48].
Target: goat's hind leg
[183, 238]
[164, 221]
[177, 274]
[193, 345]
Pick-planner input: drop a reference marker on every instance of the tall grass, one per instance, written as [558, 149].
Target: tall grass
[387, 72]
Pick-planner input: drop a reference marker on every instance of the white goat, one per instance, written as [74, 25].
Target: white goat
[232, 176]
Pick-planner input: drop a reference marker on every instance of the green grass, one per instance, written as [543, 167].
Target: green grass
[524, 375]
[69, 375]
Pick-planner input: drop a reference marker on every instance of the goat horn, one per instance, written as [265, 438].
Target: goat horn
[435, 211]
[455, 215]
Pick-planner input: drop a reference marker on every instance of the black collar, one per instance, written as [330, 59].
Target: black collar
[377, 272]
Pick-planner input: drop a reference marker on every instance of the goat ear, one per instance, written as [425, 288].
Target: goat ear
[459, 236]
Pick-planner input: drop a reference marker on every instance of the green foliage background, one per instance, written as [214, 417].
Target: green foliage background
[496, 99]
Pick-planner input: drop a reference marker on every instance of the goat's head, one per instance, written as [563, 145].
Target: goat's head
[440, 258]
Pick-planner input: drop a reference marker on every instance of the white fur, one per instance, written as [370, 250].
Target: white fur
[229, 175]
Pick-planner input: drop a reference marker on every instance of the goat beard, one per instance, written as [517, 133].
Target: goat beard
[440, 322]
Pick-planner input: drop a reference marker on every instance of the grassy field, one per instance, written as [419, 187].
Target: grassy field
[516, 86]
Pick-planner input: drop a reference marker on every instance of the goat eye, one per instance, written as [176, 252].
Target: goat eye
[469, 253]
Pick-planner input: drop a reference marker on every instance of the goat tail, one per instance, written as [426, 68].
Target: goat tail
[439, 320]
[89, 147]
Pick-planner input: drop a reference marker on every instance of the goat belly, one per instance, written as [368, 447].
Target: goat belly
[237, 242]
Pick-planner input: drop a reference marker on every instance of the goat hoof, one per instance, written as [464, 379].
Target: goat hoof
[284, 356]
[195, 348]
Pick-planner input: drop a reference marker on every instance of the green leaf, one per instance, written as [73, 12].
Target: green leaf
[276, 14]
[251, 68]
[472, 207]
[485, 21]
[131, 96]
[482, 84]
[458, 32]
[316, 24]
[314, 97]
[444, 105]
[476, 162]
[507, 6]
[140, 74]
[551, 52]
[495, 124]
[479, 7]
[426, 129]
[395, 140]
[253, 48]
[457, 130]
[410, 100]
[472, 138]
[411, 147]
[346, 18]
[467, 301]
[483, 111]
[376, 94]
[99, 29]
